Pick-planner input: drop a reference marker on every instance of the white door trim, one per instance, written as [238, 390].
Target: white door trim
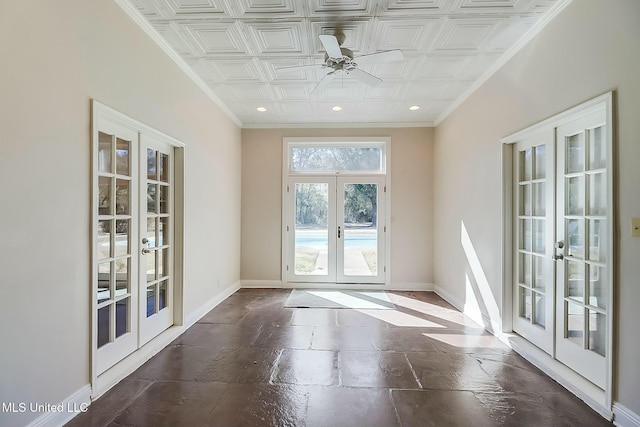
[602, 398]
[103, 113]
[385, 144]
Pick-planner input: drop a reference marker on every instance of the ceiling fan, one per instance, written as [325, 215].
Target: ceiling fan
[340, 60]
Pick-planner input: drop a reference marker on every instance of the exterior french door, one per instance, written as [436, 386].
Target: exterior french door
[335, 229]
[562, 241]
[133, 252]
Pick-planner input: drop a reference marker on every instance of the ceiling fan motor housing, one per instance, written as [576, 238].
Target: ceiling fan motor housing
[345, 62]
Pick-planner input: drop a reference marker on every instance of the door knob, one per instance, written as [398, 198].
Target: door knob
[145, 240]
[558, 257]
[145, 251]
[559, 244]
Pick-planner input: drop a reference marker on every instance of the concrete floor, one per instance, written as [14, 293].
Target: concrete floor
[251, 362]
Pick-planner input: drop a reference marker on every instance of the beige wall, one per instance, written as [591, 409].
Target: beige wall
[56, 57]
[592, 47]
[411, 200]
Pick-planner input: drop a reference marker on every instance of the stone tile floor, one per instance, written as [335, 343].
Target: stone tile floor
[252, 362]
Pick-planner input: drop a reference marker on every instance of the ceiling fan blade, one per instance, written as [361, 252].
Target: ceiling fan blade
[331, 45]
[365, 77]
[300, 67]
[376, 58]
[323, 83]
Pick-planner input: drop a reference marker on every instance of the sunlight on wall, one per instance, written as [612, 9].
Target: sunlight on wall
[478, 297]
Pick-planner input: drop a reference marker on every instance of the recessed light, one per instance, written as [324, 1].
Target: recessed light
[261, 109]
[337, 108]
[414, 107]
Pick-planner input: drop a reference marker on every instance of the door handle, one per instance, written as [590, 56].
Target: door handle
[338, 232]
[560, 256]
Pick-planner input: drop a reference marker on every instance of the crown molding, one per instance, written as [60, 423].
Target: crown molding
[164, 45]
[336, 125]
[510, 53]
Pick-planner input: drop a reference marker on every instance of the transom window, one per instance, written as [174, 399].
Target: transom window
[336, 156]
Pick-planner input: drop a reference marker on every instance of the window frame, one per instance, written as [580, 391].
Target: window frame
[337, 142]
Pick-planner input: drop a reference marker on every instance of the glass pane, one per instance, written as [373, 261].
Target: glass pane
[598, 240]
[122, 276]
[311, 228]
[163, 231]
[525, 234]
[597, 149]
[539, 235]
[163, 262]
[524, 272]
[151, 266]
[598, 292]
[151, 232]
[598, 194]
[151, 198]
[525, 199]
[162, 297]
[151, 300]
[104, 152]
[525, 165]
[104, 279]
[539, 280]
[539, 310]
[122, 316]
[104, 239]
[575, 323]
[151, 164]
[575, 237]
[122, 237]
[539, 199]
[525, 303]
[597, 332]
[575, 281]
[122, 197]
[360, 232]
[104, 320]
[575, 153]
[328, 158]
[164, 199]
[541, 162]
[104, 195]
[163, 166]
[122, 157]
[575, 195]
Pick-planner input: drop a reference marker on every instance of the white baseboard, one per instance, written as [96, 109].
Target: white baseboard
[624, 417]
[410, 286]
[199, 312]
[583, 389]
[78, 402]
[395, 286]
[260, 284]
[124, 368]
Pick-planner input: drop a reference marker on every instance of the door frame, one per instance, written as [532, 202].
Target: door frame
[599, 399]
[103, 113]
[385, 144]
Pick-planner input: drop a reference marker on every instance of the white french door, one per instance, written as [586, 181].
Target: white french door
[562, 232]
[133, 249]
[583, 240]
[335, 229]
[534, 208]
[156, 278]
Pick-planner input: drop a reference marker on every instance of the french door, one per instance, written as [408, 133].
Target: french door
[335, 229]
[133, 254]
[562, 242]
